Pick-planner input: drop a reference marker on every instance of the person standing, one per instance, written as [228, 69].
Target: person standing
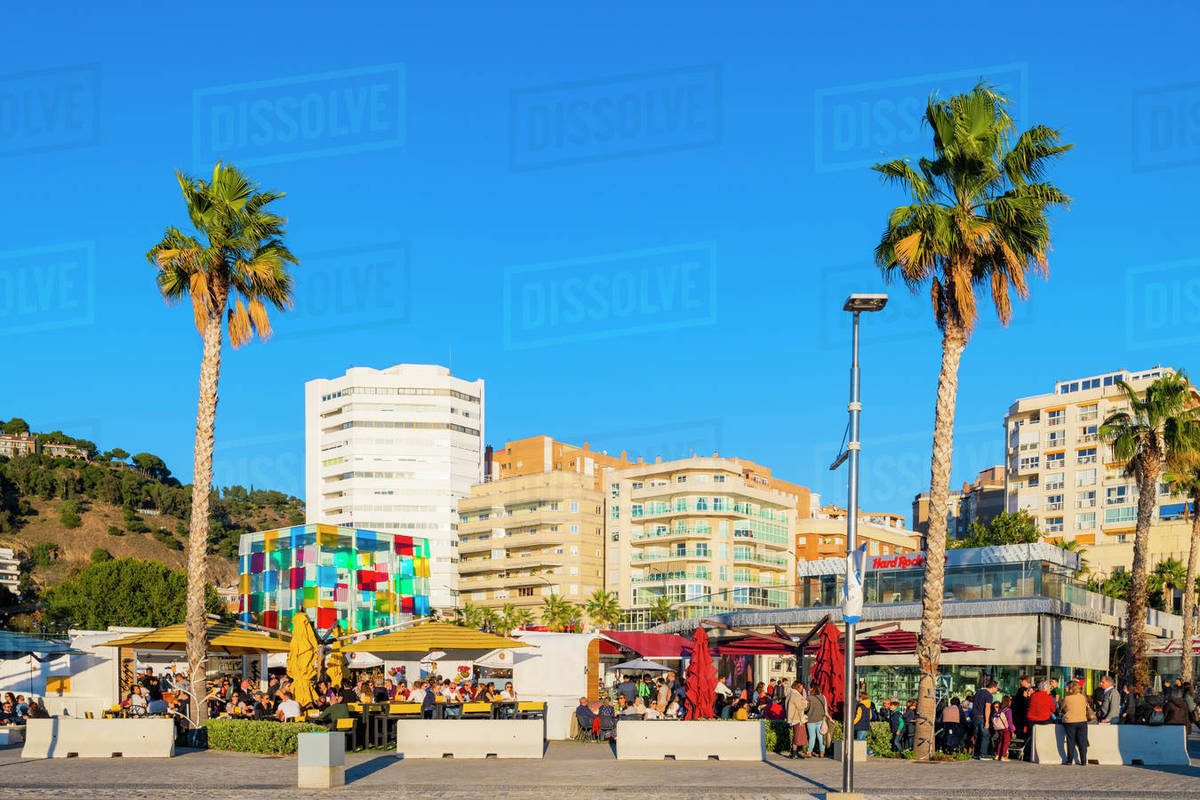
[1002, 723]
[1074, 722]
[815, 715]
[1110, 704]
[1020, 707]
[797, 706]
[862, 717]
[981, 714]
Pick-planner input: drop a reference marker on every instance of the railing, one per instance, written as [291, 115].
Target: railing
[1054, 506]
[758, 558]
[673, 532]
[1053, 421]
[1086, 460]
[1082, 503]
[680, 575]
[670, 556]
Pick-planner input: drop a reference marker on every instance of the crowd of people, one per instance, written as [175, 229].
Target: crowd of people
[985, 724]
[16, 710]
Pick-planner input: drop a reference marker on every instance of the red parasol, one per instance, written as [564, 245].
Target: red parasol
[828, 669]
[700, 685]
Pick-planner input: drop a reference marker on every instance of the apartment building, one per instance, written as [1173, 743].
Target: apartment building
[1060, 471]
[710, 534]
[980, 501]
[524, 537]
[17, 444]
[539, 454]
[394, 450]
[823, 533]
[9, 569]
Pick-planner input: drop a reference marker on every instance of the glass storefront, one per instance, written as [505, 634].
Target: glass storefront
[970, 582]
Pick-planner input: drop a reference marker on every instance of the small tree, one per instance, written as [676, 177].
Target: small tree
[100, 554]
[15, 425]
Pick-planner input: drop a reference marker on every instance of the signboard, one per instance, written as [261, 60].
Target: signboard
[907, 561]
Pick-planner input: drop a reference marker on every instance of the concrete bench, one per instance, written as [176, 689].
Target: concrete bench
[62, 737]
[1116, 744]
[11, 734]
[320, 760]
[690, 740]
[470, 738]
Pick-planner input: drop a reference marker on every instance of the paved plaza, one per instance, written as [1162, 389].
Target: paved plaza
[573, 770]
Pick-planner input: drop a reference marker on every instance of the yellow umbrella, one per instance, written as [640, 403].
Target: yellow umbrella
[432, 636]
[302, 659]
[223, 637]
[335, 666]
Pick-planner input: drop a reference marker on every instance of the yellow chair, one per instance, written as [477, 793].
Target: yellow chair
[401, 709]
[477, 710]
[528, 709]
[348, 726]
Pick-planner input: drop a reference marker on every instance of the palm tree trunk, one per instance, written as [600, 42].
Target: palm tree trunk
[929, 645]
[1189, 595]
[197, 572]
[1137, 669]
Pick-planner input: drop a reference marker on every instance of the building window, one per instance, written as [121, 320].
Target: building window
[1055, 460]
[718, 478]
[1054, 481]
[1085, 477]
[1084, 522]
[1116, 495]
[1056, 417]
[1125, 514]
[1054, 524]
[681, 478]
[1086, 499]
[1086, 455]
[525, 591]
[1054, 502]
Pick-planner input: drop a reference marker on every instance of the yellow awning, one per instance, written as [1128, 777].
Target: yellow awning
[223, 637]
[432, 636]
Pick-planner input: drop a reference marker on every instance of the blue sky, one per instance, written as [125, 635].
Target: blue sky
[636, 221]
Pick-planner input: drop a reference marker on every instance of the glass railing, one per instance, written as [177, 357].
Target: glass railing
[678, 575]
[673, 532]
[671, 555]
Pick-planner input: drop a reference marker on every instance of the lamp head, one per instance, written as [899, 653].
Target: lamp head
[865, 302]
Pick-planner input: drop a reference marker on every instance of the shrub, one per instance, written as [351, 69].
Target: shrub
[778, 737]
[135, 525]
[113, 530]
[100, 554]
[44, 553]
[164, 536]
[70, 519]
[879, 740]
[252, 736]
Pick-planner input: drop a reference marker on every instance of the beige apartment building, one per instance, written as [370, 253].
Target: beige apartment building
[1060, 471]
[537, 454]
[710, 534]
[525, 537]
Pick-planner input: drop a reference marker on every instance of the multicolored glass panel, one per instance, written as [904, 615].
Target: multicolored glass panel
[358, 579]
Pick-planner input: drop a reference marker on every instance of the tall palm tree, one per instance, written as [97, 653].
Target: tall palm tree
[662, 610]
[469, 616]
[230, 268]
[555, 612]
[978, 219]
[512, 618]
[489, 618]
[1155, 431]
[1185, 481]
[1166, 577]
[604, 608]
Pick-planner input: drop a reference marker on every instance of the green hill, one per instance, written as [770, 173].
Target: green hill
[55, 511]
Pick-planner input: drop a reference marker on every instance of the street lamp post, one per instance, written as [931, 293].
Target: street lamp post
[855, 304]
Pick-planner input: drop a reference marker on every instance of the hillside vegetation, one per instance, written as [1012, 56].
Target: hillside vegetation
[59, 513]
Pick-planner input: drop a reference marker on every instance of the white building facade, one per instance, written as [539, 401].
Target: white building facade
[395, 450]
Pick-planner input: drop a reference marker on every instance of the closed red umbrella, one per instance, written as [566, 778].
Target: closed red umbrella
[700, 684]
[828, 668]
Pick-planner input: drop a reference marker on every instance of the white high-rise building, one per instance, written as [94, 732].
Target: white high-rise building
[395, 450]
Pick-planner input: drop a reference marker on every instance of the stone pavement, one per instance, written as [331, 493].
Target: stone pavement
[579, 771]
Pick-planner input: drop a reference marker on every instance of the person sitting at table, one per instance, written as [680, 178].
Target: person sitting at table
[365, 693]
[158, 706]
[508, 695]
[22, 707]
[674, 709]
[417, 695]
[381, 692]
[137, 702]
[332, 712]
[8, 716]
[607, 719]
[429, 701]
[36, 710]
[288, 708]
[389, 689]
[637, 710]
[401, 693]
[584, 715]
[652, 711]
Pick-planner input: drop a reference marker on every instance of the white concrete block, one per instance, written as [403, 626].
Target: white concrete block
[860, 750]
[1116, 744]
[11, 734]
[321, 749]
[691, 740]
[60, 737]
[470, 738]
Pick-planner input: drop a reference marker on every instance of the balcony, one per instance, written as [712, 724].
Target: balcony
[1085, 502]
[1054, 506]
[678, 575]
[761, 558]
[1087, 437]
[673, 532]
[1085, 460]
[1054, 422]
[522, 561]
[677, 555]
